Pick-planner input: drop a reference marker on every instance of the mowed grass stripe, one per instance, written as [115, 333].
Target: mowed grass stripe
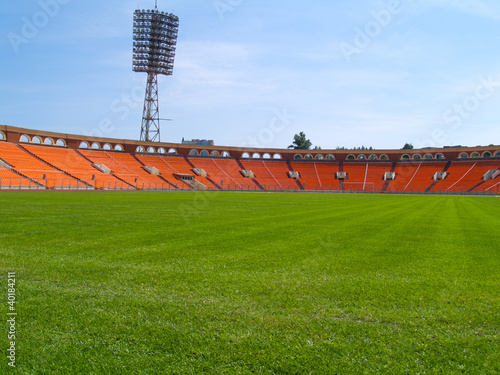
[235, 283]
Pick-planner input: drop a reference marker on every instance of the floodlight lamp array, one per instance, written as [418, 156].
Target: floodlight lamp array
[155, 38]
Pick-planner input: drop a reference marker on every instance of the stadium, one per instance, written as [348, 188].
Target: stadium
[31, 159]
[183, 265]
[123, 256]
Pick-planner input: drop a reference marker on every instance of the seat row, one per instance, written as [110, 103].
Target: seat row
[55, 167]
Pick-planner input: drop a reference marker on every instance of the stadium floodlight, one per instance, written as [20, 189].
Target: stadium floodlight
[155, 38]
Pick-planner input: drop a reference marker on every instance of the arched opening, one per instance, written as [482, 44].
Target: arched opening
[320, 157]
[172, 151]
[277, 156]
[2, 136]
[497, 154]
[266, 156]
[83, 144]
[463, 155]
[308, 157]
[428, 156]
[106, 146]
[245, 155]
[95, 146]
[118, 148]
[440, 156]
[204, 153]
[405, 157]
[330, 157]
[61, 142]
[193, 152]
[214, 153]
[487, 154]
[475, 155]
[373, 157]
[225, 154]
[256, 155]
[417, 157]
[25, 139]
[351, 157]
[151, 150]
[298, 157]
[36, 140]
[49, 141]
[384, 157]
[362, 157]
[140, 149]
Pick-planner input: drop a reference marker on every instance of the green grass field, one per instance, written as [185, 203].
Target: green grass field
[234, 283]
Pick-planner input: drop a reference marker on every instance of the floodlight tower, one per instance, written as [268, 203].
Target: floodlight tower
[155, 37]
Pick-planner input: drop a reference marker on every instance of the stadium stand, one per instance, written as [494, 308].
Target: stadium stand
[309, 175]
[32, 159]
[225, 173]
[414, 176]
[464, 175]
[125, 168]
[74, 164]
[365, 176]
[35, 169]
[271, 174]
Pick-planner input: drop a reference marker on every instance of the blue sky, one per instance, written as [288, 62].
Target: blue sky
[254, 73]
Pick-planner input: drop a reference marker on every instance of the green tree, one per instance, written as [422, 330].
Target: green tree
[300, 142]
[408, 146]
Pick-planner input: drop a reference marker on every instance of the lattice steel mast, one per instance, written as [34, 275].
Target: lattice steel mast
[155, 38]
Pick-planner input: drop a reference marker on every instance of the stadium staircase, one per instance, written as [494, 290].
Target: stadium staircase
[103, 182]
[290, 169]
[445, 169]
[254, 179]
[387, 183]
[208, 178]
[144, 166]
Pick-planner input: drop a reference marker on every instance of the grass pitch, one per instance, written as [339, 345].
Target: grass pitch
[233, 283]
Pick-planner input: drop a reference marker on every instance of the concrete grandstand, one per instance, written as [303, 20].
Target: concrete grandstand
[33, 159]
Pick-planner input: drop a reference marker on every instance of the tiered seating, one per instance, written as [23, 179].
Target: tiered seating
[225, 172]
[356, 174]
[464, 175]
[41, 166]
[168, 165]
[482, 169]
[309, 175]
[271, 174]
[73, 163]
[11, 179]
[414, 176]
[35, 169]
[129, 165]
[326, 172]
[125, 167]
[375, 176]
[492, 186]
[358, 178]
